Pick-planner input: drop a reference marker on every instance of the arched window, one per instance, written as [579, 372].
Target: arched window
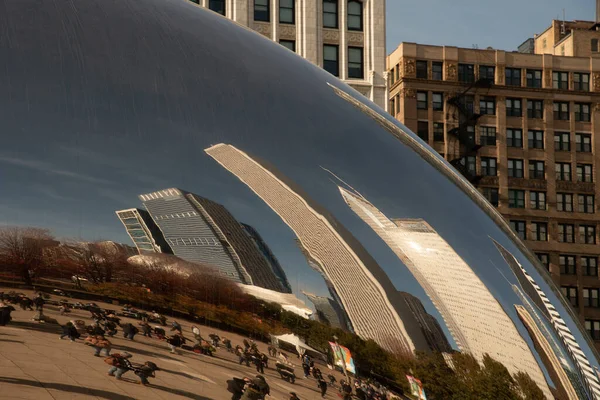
[217, 6]
[355, 15]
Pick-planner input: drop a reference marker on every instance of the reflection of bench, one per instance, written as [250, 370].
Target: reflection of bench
[286, 372]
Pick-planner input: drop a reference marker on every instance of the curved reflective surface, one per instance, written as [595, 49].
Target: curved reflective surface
[185, 137]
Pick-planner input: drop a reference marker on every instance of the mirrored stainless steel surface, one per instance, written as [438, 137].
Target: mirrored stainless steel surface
[165, 127]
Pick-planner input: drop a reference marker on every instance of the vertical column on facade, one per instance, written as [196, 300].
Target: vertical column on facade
[241, 10]
[275, 20]
[312, 38]
[204, 3]
[450, 72]
[501, 151]
[343, 23]
[375, 47]
[430, 118]
[551, 182]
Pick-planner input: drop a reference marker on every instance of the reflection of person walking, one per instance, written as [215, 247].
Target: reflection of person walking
[39, 302]
[322, 384]
[119, 364]
[146, 371]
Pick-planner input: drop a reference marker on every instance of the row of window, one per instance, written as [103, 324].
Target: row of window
[512, 76]
[590, 296]
[514, 107]
[568, 265]
[537, 169]
[537, 201]
[592, 326]
[566, 232]
[331, 63]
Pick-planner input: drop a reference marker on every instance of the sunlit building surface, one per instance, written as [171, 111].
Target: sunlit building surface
[539, 298]
[287, 301]
[142, 230]
[460, 296]
[328, 311]
[364, 299]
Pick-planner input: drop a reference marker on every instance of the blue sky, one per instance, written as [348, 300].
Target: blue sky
[465, 23]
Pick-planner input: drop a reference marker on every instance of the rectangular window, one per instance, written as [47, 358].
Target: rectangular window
[330, 59]
[291, 45]
[287, 12]
[561, 110]
[539, 231]
[560, 80]
[567, 265]
[591, 326]
[487, 105]
[423, 130]
[535, 109]
[519, 228]
[355, 15]
[516, 198]
[589, 266]
[515, 168]
[217, 6]
[466, 73]
[581, 81]
[491, 194]
[537, 200]
[564, 202]
[513, 108]
[537, 169]
[566, 233]
[438, 131]
[535, 139]
[261, 10]
[590, 297]
[355, 62]
[563, 171]
[582, 112]
[422, 69]
[488, 166]
[514, 138]
[487, 72]
[421, 100]
[470, 163]
[544, 260]
[586, 203]
[562, 141]
[513, 76]
[437, 70]
[534, 78]
[587, 234]
[437, 101]
[330, 14]
[584, 173]
[583, 142]
[487, 135]
[594, 45]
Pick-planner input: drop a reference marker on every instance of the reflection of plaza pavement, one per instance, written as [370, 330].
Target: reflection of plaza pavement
[35, 364]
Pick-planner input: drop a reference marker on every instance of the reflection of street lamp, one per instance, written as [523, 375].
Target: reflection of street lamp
[337, 347]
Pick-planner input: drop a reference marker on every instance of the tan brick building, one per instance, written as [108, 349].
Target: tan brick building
[345, 37]
[521, 127]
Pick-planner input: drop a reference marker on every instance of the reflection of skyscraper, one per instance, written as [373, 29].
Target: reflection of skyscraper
[143, 231]
[328, 311]
[192, 234]
[429, 325]
[356, 277]
[473, 314]
[269, 257]
[564, 388]
[539, 298]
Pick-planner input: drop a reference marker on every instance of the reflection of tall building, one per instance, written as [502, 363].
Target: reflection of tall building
[328, 311]
[269, 257]
[429, 325]
[143, 231]
[539, 298]
[564, 388]
[360, 283]
[476, 318]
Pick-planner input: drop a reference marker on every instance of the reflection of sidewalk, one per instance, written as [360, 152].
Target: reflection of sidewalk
[34, 364]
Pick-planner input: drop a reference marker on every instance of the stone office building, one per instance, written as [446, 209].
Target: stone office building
[520, 126]
[345, 37]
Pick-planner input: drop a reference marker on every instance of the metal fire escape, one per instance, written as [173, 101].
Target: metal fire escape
[464, 133]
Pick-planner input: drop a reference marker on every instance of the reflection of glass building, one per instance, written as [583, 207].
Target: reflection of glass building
[429, 325]
[269, 257]
[328, 311]
[356, 277]
[539, 298]
[143, 231]
[463, 300]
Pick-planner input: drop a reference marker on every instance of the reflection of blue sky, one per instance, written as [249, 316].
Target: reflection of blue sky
[125, 130]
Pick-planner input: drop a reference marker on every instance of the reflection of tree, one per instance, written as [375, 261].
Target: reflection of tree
[98, 262]
[22, 250]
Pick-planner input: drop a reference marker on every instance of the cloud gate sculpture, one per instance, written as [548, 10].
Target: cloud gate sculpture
[165, 127]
